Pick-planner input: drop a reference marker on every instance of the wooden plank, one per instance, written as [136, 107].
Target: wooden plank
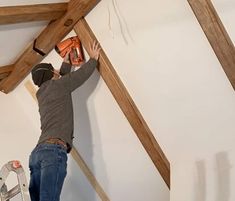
[126, 103]
[46, 41]
[27, 13]
[6, 69]
[77, 157]
[3, 75]
[75, 154]
[216, 34]
[31, 89]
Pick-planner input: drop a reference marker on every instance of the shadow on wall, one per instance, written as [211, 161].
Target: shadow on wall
[200, 187]
[222, 173]
[223, 176]
[78, 185]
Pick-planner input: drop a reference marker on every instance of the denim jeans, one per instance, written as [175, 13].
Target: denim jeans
[48, 168]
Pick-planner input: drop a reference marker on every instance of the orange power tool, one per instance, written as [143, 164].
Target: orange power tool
[73, 47]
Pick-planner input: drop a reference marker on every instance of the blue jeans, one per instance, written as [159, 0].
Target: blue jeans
[48, 168]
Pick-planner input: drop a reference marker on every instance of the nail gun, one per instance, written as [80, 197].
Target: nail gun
[73, 47]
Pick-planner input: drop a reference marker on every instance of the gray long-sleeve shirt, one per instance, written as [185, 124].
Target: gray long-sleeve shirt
[55, 103]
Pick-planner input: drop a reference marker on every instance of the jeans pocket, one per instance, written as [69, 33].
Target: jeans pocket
[48, 158]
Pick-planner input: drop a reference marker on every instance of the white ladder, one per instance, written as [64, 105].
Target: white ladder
[22, 186]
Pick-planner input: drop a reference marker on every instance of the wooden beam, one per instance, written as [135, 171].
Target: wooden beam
[126, 103]
[6, 69]
[46, 41]
[216, 34]
[27, 13]
[76, 156]
[31, 89]
[83, 166]
[3, 75]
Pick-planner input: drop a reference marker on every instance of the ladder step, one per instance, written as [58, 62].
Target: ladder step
[20, 188]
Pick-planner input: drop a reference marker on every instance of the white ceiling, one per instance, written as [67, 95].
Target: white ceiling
[15, 37]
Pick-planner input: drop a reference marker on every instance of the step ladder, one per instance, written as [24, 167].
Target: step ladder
[22, 186]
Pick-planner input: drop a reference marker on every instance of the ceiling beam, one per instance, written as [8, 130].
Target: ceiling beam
[6, 69]
[46, 41]
[3, 75]
[27, 13]
[126, 103]
[216, 34]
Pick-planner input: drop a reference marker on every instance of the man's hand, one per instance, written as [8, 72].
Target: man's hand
[94, 50]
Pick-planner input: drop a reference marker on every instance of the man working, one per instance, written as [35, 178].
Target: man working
[48, 160]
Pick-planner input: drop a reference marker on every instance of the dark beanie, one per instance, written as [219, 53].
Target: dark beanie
[41, 73]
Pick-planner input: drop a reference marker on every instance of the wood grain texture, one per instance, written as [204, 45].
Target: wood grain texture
[46, 41]
[126, 103]
[217, 35]
[6, 69]
[27, 13]
[75, 154]
[3, 75]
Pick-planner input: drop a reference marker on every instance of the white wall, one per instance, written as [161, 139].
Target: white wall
[177, 82]
[18, 130]
[174, 77]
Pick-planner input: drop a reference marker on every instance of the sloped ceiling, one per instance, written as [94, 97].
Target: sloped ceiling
[15, 37]
[59, 26]
[9, 35]
[12, 44]
[29, 32]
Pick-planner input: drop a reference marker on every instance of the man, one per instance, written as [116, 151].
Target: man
[48, 160]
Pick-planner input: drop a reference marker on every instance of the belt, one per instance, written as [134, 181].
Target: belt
[56, 141]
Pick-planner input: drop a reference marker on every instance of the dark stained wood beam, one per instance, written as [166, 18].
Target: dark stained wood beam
[216, 34]
[27, 13]
[46, 41]
[126, 103]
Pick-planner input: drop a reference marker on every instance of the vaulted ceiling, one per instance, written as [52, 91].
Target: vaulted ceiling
[59, 17]
[62, 18]
[49, 23]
